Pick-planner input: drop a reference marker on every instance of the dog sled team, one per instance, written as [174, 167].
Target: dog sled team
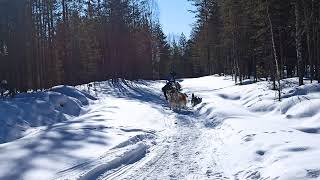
[174, 96]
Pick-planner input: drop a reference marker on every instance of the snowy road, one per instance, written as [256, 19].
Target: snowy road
[188, 154]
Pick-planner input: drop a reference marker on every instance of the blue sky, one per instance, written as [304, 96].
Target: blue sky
[174, 16]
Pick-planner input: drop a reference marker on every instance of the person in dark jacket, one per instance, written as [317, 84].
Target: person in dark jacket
[166, 88]
[3, 87]
[173, 76]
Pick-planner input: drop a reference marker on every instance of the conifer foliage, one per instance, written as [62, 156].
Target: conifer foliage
[49, 42]
[256, 38]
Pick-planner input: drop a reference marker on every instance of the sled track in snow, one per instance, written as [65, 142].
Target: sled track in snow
[184, 155]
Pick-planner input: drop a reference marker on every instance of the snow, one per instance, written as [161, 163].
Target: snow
[26, 111]
[261, 137]
[125, 130]
[71, 128]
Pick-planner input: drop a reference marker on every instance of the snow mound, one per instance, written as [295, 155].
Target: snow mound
[72, 92]
[26, 111]
[304, 109]
[65, 104]
[302, 90]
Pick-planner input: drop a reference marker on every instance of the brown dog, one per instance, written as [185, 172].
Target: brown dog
[177, 100]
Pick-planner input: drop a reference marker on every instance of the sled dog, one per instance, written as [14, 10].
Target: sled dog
[177, 100]
[195, 100]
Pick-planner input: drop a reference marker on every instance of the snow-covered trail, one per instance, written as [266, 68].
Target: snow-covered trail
[188, 154]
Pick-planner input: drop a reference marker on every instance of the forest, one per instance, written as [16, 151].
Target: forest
[44, 43]
[257, 38]
[49, 42]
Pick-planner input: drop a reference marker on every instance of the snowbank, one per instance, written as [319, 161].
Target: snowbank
[257, 136]
[19, 115]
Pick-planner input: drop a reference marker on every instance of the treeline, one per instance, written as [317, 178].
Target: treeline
[44, 43]
[255, 38]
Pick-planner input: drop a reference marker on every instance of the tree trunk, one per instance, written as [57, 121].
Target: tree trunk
[299, 28]
[307, 18]
[275, 55]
